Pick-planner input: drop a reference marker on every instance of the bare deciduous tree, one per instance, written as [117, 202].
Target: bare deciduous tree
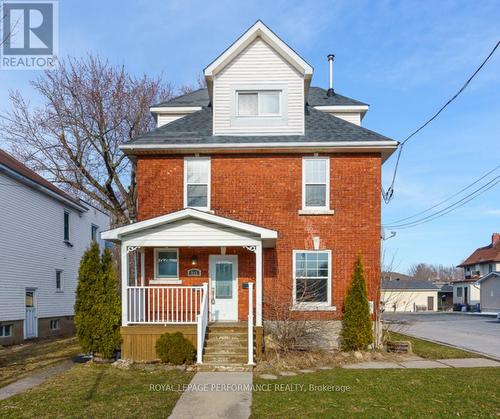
[430, 272]
[88, 109]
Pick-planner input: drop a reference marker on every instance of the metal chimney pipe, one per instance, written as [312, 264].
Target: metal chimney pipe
[330, 91]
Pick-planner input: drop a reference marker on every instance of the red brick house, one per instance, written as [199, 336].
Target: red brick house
[256, 192]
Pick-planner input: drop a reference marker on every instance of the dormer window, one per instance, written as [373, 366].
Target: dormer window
[259, 103]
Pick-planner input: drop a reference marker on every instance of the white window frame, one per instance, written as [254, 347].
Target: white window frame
[61, 288]
[4, 328]
[92, 226]
[259, 113]
[165, 279]
[313, 305]
[209, 189]
[326, 207]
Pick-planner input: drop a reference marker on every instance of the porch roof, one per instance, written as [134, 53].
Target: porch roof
[191, 227]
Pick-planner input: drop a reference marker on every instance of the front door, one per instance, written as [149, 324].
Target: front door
[224, 287]
[30, 319]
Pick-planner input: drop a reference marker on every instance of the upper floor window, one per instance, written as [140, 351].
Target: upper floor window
[59, 280]
[197, 182]
[259, 103]
[316, 183]
[66, 226]
[93, 232]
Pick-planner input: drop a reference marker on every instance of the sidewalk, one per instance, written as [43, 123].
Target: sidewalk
[216, 395]
[427, 363]
[34, 379]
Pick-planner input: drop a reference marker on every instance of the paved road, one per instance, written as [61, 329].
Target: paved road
[477, 333]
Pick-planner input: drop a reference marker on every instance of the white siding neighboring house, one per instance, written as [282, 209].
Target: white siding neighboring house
[44, 233]
[480, 264]
[490, 293]
[409, 295]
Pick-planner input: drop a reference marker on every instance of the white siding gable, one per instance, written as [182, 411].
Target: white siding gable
[258, 67]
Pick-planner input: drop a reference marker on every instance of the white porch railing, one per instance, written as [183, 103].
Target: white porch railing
[165, 305]
[250, 323]
[202, 321]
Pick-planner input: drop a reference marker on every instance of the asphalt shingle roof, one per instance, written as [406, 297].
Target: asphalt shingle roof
[317, 97]
[408, 284]
[196, 128]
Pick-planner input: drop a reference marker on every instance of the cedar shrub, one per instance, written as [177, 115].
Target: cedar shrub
[97, 305]
[357, 330]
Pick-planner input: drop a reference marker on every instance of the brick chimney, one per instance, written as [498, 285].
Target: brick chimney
[495, 239]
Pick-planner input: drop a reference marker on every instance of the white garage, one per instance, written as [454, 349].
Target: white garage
[410, 295]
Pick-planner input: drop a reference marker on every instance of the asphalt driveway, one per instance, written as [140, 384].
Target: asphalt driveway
[476, 333]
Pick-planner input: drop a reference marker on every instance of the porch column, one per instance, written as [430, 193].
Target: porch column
[258, 285]
[124, 279]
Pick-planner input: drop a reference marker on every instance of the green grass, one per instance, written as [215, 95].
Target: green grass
[384, 393]
[98, 391]
[20, 360]
[430, 350]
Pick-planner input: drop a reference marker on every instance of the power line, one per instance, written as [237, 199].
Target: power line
[487, 186]
[387, 195]
[446, 199]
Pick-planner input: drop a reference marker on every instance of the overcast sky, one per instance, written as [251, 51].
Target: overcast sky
[403, 58]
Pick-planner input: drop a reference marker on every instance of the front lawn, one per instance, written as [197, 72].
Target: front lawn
[382, 393]
[20, 360]
[430, 350]
[99, 391]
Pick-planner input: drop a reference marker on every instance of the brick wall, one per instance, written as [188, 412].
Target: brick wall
[266, 190]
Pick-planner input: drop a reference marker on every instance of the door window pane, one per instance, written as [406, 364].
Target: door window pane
[223, 280]
[247, 104]
[167, 264]
[29, 299]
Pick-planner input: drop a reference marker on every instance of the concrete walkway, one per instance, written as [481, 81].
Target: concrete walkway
[33, 380]
[427, 363]
[216, 395]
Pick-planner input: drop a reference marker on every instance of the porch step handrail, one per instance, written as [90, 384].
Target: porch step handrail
[164, 304]
[250, 323]
[202, 324]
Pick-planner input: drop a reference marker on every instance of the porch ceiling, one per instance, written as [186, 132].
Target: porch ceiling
[190, 227]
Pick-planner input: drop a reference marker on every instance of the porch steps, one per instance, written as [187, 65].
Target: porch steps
[226, 348]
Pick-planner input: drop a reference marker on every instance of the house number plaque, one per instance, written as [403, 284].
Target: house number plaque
[194, 272]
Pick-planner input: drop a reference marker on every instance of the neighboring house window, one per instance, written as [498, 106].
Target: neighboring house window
[59, 280]
[167, 263]
[5, 330]
[459, 291]
[490, 267]
[259, 103]
[312, 273]
[197, 182]
[55, 324]
[315, 183]
[66, 226]
[93, 232]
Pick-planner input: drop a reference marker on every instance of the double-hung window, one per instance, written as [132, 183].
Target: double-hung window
[166, 264]
[258, 103]
[312, 278]
[316, 183]
[197, 183]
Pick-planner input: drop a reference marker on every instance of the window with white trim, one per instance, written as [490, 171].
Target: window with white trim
[5, 330]
[59, 280]
[311, 277]
[197, 183]
[316, 183]
[459, 291]
[258, 103]
[166, 264]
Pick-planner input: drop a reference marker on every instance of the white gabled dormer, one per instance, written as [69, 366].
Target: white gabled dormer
[257, 86]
